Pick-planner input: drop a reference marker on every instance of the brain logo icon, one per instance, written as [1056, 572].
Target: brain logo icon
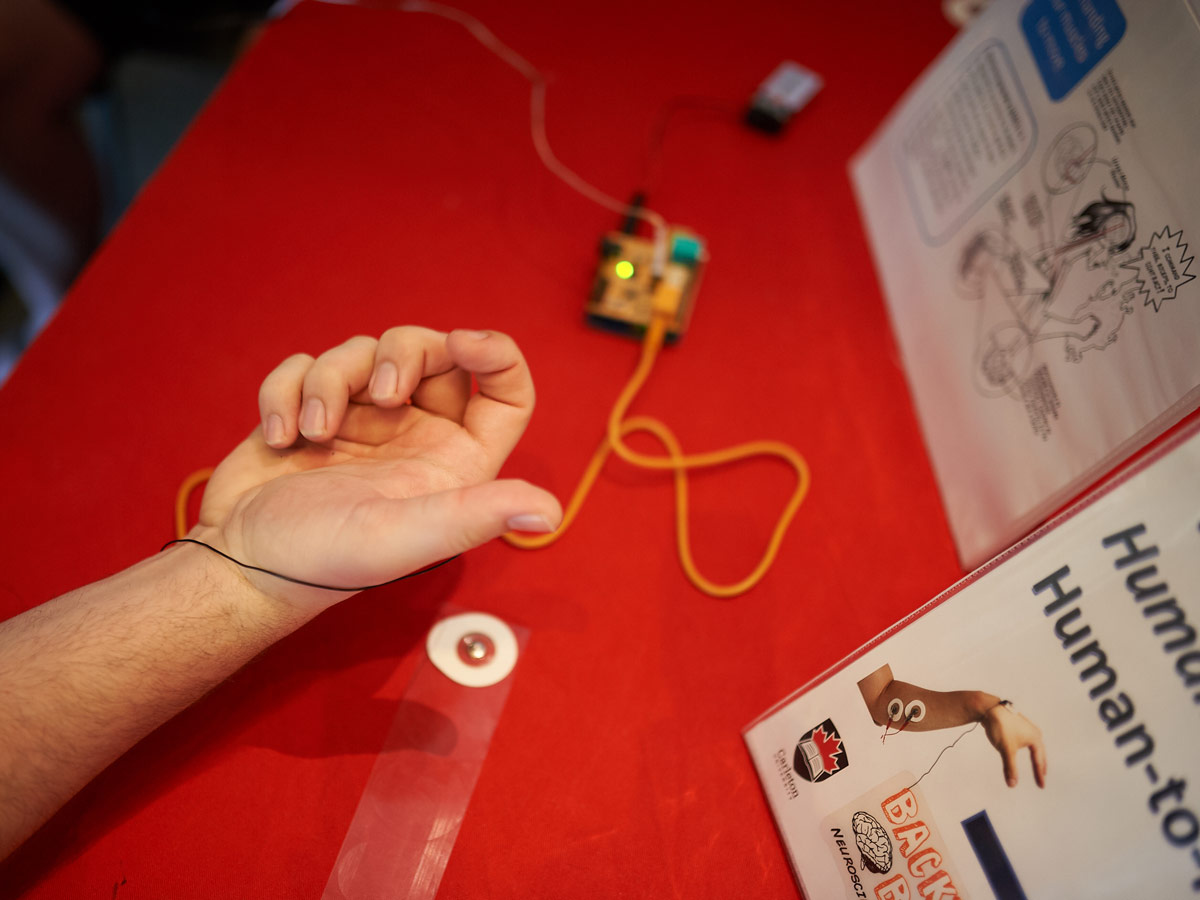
[873, 842]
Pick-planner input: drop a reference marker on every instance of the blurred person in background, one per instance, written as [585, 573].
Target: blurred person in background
[53, 56]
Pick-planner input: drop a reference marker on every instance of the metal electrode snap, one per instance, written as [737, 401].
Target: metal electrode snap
[472, 649]
[476, 648]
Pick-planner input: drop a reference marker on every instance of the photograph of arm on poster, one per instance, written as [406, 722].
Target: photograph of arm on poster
[899, 706]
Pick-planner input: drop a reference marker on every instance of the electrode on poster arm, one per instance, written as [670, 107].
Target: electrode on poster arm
[905, 714]
[914, 711]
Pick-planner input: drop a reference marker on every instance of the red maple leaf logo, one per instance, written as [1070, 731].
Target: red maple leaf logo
[829, 746]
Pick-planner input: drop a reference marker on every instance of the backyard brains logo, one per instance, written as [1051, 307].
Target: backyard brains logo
[820, 753]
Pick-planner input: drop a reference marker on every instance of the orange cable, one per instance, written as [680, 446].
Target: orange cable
[189, 484]
[678, 463]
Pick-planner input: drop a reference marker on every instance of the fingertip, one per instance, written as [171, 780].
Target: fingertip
[275, 432]
[336, 376]
[279, 398]
[1010, 771]
[404, 358]
[384, 388]
[539, 504]
[512, 505]
[532, 523]
[480, 350]
[313, 424]
[474, 349]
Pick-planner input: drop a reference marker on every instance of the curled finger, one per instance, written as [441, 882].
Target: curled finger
[404, 357]
[497, 414]
[334, 377]
[279, 401]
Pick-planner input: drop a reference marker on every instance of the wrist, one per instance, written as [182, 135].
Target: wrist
[292, 596]
[257, 600]
[984, 705]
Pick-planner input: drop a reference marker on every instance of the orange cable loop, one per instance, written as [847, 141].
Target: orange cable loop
[678, 463]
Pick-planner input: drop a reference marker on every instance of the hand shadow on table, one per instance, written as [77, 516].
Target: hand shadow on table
[257, 706]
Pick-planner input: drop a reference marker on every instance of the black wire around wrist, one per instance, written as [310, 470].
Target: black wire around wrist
[301, 581]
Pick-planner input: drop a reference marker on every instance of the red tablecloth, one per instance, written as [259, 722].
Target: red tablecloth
[366, 168]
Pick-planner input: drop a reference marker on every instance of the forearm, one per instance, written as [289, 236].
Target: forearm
[86, 676]
[943, 709]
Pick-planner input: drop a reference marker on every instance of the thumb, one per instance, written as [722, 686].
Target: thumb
[436, 526]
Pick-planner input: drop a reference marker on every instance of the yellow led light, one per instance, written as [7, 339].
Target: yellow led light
[624, 269]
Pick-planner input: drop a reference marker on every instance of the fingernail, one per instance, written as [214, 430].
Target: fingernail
[385, 382]
[274, 429]
[313, 421]
[1012, 782]
[538, 524]
[478, 335]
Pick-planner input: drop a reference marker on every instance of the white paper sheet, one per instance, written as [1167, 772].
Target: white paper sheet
[1033, 205]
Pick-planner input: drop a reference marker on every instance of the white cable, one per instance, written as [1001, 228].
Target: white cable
[537, 124]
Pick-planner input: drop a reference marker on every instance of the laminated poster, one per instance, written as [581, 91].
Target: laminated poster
[912, 768]
[1033, 205]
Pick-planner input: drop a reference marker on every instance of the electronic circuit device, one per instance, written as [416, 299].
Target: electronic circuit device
[622, 293]
[782, 94]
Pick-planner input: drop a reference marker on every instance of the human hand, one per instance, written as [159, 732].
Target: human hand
[1010, 732]
[374, 460]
